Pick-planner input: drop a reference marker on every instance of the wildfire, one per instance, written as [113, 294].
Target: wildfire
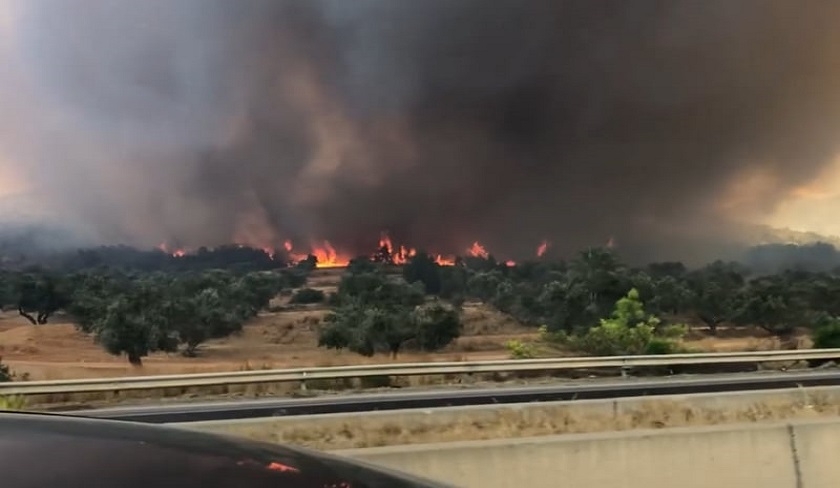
[329, 257]
[542, 248]
[324, 252]
[177, 253]
[478, 251]
[399, 255]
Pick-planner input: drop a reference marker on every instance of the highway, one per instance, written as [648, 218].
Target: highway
[432, 398]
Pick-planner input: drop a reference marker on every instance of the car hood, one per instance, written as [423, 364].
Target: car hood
[38, 450]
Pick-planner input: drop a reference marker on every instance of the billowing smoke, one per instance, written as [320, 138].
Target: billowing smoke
[443, 121]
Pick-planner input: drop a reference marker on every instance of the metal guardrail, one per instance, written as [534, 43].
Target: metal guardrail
[404, 369]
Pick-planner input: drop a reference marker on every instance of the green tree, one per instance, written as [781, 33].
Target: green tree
[207, 315]
[368, 330]
[769, 303]
[423, 268]
[40, 295]
[825, 334]
[603, 278]
[136, 324]
[717, 293]
[629, 330]
[435, 326]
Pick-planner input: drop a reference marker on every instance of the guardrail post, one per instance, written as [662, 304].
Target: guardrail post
[303, 382]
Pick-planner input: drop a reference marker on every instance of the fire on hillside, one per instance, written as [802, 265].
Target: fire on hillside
[327, 256]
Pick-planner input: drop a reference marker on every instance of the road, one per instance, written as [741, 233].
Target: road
[366, 402]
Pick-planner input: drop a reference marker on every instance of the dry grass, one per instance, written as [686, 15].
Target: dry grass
[417, 428]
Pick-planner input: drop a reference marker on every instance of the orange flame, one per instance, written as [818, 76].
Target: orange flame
[478, 251]
[177, 253]
[398, 256]
[324, 252]
[328, 257]
[542, 248]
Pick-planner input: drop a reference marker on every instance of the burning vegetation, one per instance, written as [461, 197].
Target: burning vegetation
[324, 255]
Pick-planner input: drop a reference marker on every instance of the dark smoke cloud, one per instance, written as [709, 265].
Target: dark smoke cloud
[443, 121]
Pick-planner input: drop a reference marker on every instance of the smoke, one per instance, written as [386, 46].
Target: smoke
[203, 121]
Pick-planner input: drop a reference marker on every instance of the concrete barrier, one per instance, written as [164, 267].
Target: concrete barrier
[368, 429]
[778, 455]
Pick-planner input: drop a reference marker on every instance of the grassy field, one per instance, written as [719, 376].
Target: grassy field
[284, 338]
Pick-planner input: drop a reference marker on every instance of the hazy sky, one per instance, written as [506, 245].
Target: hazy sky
[443, 121]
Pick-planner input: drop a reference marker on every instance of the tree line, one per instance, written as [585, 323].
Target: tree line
[594, 302]
[139, 313]
[575, 296]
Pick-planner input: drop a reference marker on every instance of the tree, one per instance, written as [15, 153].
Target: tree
[717, 293]
[371, 330]
[366, 331]
[92, 293]
[423, 268]
[436, 326]
[136, 324]
[629, 330]
[40, 295]
[564, 306]
[603, 277]
[770, 304]
[208, 315]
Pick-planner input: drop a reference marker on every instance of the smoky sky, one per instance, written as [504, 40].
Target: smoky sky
[201, 122]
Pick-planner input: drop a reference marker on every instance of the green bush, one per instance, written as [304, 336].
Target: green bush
[520, 350]
[628, 331]
[308, 295]
[12, 402]
[826, 332]
[658, 345]
[6, 373]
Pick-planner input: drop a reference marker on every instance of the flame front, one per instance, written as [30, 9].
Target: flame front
[542, 248]
[478, 251]
[399, 255]
[329, 257]
[177, 253]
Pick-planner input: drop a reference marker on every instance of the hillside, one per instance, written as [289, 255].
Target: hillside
[285, 337]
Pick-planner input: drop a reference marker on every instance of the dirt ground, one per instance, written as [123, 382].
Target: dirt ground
[286, 338]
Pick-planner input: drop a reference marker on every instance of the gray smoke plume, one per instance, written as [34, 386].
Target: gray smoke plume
[200, 122]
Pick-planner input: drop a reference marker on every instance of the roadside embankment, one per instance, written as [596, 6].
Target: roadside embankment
[400, 427]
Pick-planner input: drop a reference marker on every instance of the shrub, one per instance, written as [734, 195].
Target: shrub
[308, 295]
[12, 402]
[5, 372]
[826, 332]
[520, 350]
[825, 335]
[628, 331]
